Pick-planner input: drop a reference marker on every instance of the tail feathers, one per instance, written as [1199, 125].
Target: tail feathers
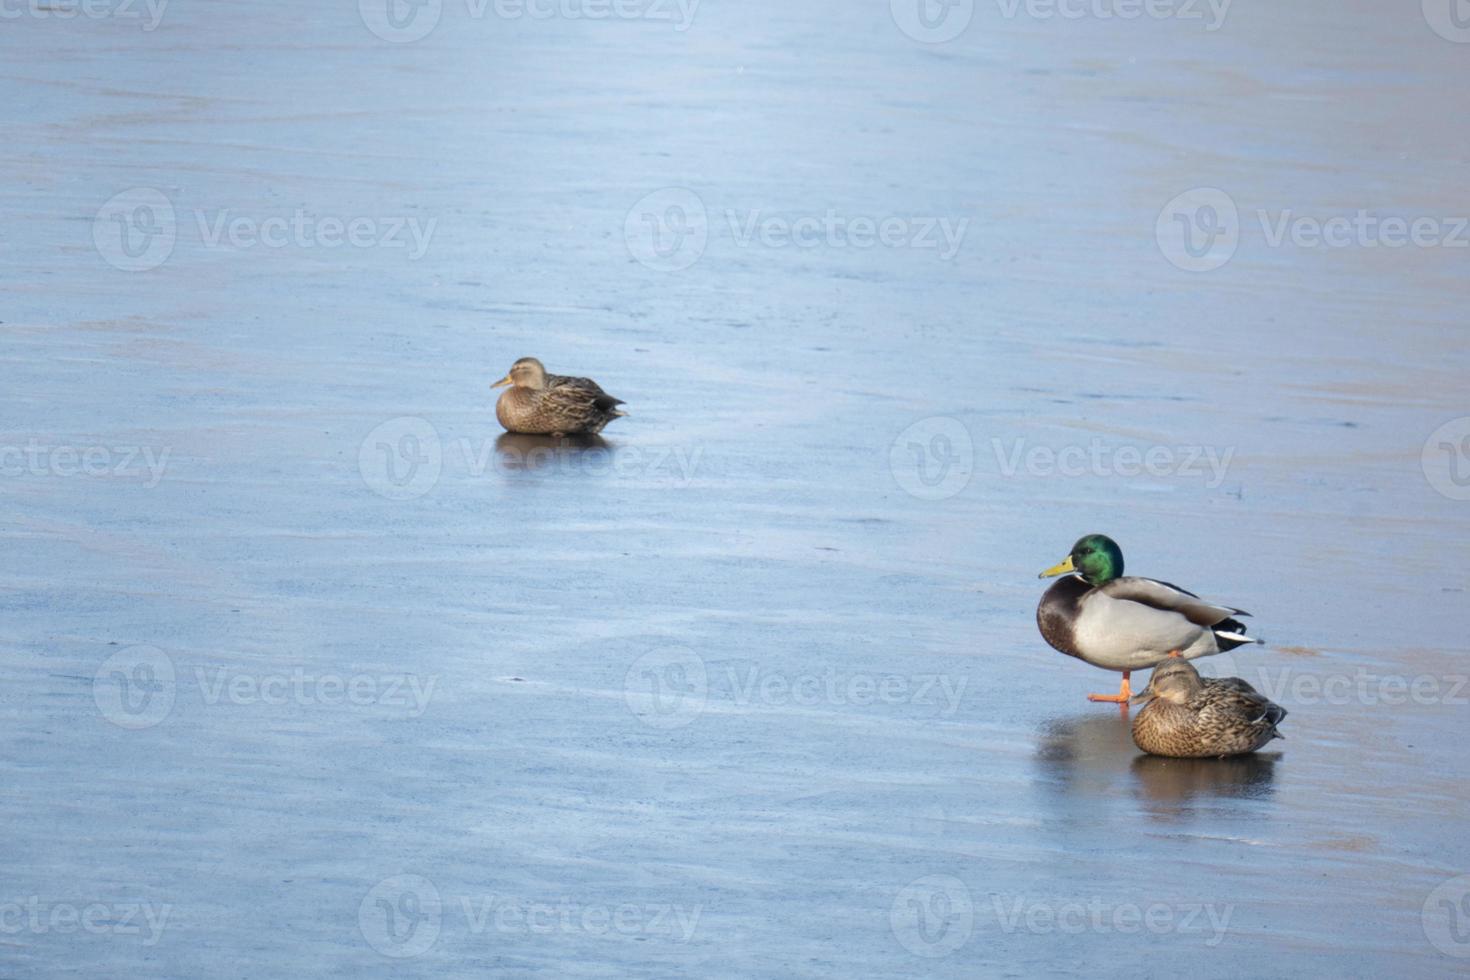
[609, 404]
[1230, 633]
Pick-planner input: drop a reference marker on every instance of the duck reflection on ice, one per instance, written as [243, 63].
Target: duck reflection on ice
[519, 451]
[1084, 755]
[1243, 777]
[1091, 756]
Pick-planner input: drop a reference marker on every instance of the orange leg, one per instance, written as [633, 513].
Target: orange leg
[1175, 653]
[1124, 693]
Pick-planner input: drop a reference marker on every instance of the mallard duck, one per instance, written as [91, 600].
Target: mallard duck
[1128, 623]
[552, 404]
[1191, 717]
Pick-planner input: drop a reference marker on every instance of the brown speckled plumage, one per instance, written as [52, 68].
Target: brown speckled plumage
[1188, 716]
[538, 403]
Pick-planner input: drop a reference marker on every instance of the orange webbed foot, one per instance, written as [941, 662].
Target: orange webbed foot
[1124, 693]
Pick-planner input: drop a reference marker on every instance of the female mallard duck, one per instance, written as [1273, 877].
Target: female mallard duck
[1191, 717]
[1128, 623]
[552, 404]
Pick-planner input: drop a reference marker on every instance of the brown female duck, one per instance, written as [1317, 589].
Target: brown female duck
[1190, 717]
[538, 403]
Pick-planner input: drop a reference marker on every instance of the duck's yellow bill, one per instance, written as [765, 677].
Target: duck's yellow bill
[502, 382]
[1061, 568]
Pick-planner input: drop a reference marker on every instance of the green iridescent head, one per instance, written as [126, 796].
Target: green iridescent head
[1096, 557]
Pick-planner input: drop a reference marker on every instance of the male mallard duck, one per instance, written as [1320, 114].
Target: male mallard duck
[1190, 717]
[552, 404]
[1128, 623]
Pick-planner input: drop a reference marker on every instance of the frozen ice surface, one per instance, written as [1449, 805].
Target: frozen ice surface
[305, 672]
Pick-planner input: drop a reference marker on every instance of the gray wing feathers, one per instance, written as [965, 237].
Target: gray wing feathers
[1162, 595]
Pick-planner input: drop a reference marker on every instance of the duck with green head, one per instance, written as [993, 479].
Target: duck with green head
[1126, 622]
